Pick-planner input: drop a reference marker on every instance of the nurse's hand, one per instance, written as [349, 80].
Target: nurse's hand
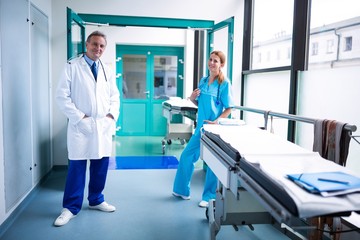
[195, 94]
[211, 122]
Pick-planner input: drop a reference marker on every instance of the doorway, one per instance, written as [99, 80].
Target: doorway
[147, 76]
[141, 113]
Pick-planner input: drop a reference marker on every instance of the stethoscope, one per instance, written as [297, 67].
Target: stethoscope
[218, 91]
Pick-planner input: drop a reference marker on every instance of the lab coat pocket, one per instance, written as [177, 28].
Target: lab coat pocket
[86, 126]
[109, 126]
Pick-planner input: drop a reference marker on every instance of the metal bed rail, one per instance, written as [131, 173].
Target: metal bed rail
[267, 113]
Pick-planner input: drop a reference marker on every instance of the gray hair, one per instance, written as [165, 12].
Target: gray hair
[96, 33]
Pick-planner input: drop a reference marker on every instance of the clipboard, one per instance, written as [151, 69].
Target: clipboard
[327, 183]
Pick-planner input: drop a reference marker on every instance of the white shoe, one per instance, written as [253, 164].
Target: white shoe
[204, 204]
[181, 196]
[64, 217]
[104, 206]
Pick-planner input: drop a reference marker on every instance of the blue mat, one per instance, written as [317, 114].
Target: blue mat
[143, 162]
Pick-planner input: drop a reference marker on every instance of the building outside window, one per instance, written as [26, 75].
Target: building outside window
[272, 30]
[335, 25]
[334, 38]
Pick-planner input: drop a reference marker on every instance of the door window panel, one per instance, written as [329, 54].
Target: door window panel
[134, 77]
[76, 39]
[165, 75]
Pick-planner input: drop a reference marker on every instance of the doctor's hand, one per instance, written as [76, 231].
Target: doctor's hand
[109, 115]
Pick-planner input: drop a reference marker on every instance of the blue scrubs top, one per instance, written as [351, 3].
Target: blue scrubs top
[213, 100]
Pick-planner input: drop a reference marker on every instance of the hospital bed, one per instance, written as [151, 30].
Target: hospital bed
[251, 165]
[178, 131]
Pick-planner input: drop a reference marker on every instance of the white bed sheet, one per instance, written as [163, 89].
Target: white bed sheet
[278, 157]
[180, 103]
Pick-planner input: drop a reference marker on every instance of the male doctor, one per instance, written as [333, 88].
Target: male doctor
[87, 94]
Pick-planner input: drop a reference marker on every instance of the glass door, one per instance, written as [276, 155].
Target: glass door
[221, 37]
[76, 34]
[148, 76]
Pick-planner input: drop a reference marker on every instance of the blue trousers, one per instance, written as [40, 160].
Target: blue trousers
[185, 170]
[75, 183]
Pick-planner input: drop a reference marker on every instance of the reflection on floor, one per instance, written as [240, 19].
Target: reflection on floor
[145, 206]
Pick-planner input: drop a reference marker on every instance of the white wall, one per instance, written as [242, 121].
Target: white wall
[186, 9]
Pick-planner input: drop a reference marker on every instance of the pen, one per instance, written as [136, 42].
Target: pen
[333, 180]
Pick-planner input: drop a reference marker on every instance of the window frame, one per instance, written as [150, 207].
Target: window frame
[299, 50]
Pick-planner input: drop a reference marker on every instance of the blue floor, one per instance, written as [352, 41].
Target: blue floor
[146, 209]
[143, 162]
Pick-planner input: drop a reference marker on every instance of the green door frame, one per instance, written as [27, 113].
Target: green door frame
[144, 50]
[117, 20]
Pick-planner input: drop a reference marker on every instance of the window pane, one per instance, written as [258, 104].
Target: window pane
[134, 77]
[268, 91]
[335, 28]
[165, 70]
[272, 33]
[221, 44]
[76, 39]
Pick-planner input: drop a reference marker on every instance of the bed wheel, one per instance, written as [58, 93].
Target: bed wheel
[182, 141]
[169, 141]
[163, 146]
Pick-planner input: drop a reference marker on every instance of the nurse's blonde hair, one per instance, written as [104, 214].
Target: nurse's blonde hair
[222, 57]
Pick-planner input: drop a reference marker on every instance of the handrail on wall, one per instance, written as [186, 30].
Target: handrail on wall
[267, 113]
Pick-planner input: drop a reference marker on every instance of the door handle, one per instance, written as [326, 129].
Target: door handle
[147, 94]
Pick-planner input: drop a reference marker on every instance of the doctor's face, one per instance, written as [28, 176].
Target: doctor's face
[95, 47]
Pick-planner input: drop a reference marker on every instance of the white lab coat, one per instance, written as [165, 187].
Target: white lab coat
[77, 95]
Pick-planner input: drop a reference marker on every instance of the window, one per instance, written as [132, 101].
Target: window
[273, 22]
[348, 44]
[330, 46]
[314, 48]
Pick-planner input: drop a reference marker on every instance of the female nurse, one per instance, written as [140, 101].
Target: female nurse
[214, 101]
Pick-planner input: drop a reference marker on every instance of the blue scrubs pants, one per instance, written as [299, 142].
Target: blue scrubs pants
[188, 158]
[75, 183]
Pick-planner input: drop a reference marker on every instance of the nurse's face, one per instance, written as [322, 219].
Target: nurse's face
[214, 64]
[95, 47]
